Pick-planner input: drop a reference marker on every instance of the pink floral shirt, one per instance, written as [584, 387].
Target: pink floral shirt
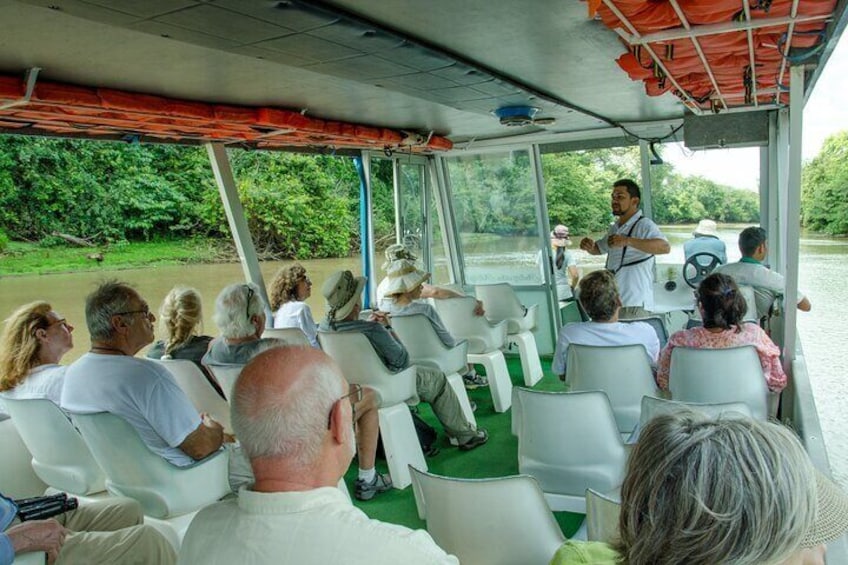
[702, 338]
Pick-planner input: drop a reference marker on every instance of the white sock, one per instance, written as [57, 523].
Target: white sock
[367, 475]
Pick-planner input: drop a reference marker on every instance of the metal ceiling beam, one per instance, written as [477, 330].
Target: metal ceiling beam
[751, 55]
[787, 46]
[682, 17]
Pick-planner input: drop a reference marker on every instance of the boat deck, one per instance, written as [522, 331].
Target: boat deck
[498, 458]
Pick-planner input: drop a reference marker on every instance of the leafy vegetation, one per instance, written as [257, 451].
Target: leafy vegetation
[824, 183]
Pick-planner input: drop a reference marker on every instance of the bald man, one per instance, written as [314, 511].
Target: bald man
[293, 412]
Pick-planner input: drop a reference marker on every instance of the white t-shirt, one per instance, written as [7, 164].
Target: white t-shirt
[140, 391]
[297, 314]
[44, 381]
[635, 282]
[314, 526]
[605, 334]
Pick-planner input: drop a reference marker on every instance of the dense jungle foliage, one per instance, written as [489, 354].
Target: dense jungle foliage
[824, 206]
[304, 206]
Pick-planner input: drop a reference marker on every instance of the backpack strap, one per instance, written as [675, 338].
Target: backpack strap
[622, 264]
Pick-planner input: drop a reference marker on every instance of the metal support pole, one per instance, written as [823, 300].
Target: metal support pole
[238, 224]
[777, 253]
[647, 200]
[366, 230]
[793, 212]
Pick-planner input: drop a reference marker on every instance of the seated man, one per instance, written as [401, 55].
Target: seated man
[343, 294]
[750, 271]
[292, 410]
[105, 532]
[705, 240]
[598, 294]
[240, 315]
[110, 379]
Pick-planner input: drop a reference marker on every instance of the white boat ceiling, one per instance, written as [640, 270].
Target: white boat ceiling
[437, 68]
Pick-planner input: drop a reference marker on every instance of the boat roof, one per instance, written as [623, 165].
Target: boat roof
[397, 74]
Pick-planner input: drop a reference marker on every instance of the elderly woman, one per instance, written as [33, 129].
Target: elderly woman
[33, 342]
[722, 308]
[180, 321]
[290, 288]
[705, 492]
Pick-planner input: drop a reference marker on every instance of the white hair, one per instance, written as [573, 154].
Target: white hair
[289, 423]
[233, 313]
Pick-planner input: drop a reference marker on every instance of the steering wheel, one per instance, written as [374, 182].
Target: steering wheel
[695, 270]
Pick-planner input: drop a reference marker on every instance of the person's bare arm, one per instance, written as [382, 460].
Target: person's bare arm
[204, 440]
[656, 246]
[38, 535]
[589, 245]
[804, 305]
[438, 292]
[573, 275]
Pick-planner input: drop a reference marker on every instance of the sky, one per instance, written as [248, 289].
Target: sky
[825, 114]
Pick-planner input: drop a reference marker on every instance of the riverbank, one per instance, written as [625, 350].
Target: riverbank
[33, 259]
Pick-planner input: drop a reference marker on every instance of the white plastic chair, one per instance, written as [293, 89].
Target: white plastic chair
[623, 372]
[653, 407]
[427, 350]
[602, 512]
[191, 379]
[569, 442]
[485, 341]
[500, 521]
[226, 376]
[292, 336]
[60, 457]
[163, 490]
[502, 304]
[719, 376]
[361, 365]
[17, 478]
[30, 558]
[655, 322]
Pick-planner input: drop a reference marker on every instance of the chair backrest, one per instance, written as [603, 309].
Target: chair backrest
[361, 365]
[60, 457]
[226, 375]
[623, 372]
[292, 336]
[751, 303]
[500, 301]
[719, 376]
[569, 441]
[132, 470]
[191, 379]
[17, 478]
[424, 346]
[500, 521]
[655, 322]
[458, 316]
[601, 517]
[653, 407]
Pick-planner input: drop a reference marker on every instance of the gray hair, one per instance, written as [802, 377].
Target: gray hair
[598, 294]
[291, 422]
[703, 491]
[109, 298]
[233, 313]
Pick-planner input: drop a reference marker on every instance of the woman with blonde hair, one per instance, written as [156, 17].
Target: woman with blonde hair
[732, 490]
[180, 321]
[33, 341]
[290, 288]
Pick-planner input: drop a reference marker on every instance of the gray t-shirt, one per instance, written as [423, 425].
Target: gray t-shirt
[418, 307]
[391, 351]
[223, 353]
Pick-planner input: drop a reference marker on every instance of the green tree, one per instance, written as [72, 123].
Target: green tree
[824, 184]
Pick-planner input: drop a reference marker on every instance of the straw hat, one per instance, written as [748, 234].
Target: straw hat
[706, 228]
[396, 252]
[342, 291]
[831, 513]
[403, 276]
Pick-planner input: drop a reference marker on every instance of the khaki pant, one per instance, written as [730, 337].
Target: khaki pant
[432, 387]
[111, 531]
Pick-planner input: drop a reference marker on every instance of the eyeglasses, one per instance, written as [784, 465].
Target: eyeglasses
[355, 396]
[63, 321]
[250, 293]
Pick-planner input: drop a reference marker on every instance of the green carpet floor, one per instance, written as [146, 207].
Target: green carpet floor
[497, 458]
